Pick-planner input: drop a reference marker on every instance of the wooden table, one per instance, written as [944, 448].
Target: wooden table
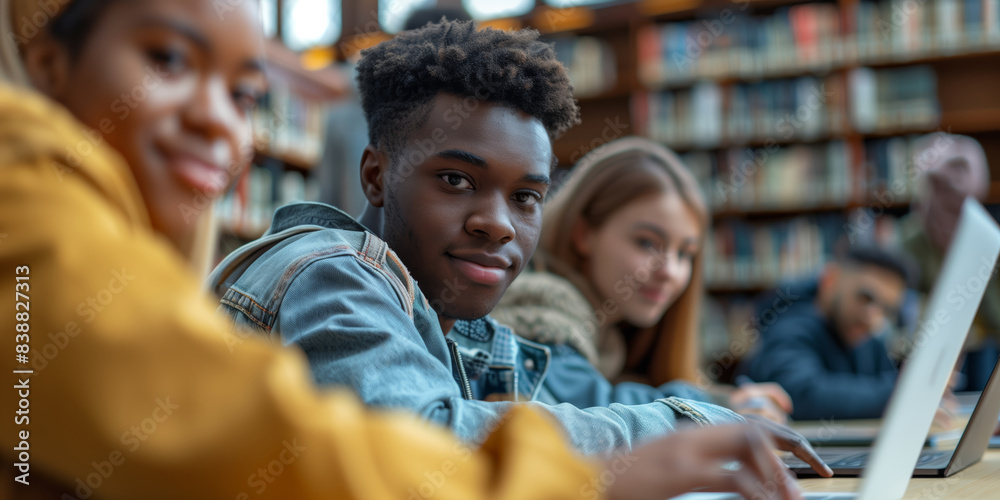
[981, 481]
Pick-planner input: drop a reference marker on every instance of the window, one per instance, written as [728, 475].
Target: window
[392, 14]
[269, 17]
[310, 23]
[492, 9]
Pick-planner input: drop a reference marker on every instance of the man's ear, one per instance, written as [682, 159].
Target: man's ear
[47, 63]
[374, 175]
[580, 235]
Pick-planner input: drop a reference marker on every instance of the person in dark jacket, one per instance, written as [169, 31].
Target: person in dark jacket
[821, 341]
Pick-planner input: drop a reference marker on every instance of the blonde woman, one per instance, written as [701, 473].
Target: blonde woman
[617, 285]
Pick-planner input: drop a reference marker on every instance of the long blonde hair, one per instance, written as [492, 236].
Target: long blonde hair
[602, 182]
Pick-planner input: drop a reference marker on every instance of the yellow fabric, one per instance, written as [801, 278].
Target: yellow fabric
[140, 382]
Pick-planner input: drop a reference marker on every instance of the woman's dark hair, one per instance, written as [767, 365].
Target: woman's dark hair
[74, 24]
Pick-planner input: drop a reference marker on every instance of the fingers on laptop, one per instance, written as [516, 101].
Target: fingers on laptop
[786, 439]
[697, 458]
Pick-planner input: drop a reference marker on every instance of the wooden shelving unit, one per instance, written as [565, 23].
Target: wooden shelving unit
[967, 79]
[967, 97]
[292, 110]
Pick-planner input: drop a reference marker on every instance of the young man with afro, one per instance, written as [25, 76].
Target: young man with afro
[461, 124]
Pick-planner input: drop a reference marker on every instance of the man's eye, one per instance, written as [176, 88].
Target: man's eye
[456, 181]
[528, 199]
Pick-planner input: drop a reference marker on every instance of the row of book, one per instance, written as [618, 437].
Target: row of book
[814, 37]
[286, 124]
[741, 255]
[711, 114]
[247, 208]
[777, 178]
[590, 62]
[891, 99]
[824, 175]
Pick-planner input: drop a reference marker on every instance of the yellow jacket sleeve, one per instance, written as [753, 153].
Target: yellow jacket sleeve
[140, 391]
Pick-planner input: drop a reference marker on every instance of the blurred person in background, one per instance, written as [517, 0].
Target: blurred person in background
[952, 168]
[826, 346]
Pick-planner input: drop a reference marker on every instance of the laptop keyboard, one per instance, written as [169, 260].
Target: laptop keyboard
[861, 459]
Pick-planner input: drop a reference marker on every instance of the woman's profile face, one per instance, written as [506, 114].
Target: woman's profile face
[641, 257]
[170, 85]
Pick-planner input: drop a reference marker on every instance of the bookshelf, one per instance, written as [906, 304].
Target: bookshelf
[833, 169]
[721, 81]
[716, 80]
[288, 134]
[827, 96]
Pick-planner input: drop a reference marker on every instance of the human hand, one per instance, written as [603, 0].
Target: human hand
[947, 411]
[767, 400]
[786, 439]
[692, 459]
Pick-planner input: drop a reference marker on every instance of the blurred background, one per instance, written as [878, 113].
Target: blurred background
[798, 117]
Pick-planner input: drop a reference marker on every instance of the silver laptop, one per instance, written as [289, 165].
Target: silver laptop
[923, 380]
[972, 443]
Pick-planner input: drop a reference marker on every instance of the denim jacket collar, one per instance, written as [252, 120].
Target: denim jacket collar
[498, 362]
[312, 214]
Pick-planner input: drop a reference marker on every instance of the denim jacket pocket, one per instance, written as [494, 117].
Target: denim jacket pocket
[684, 407]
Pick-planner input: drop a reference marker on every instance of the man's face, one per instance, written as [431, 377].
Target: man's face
[463, 202]
[865, 298]
[947, 186]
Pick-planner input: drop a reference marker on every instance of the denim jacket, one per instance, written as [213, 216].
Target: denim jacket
[320, 280]
[548, 309]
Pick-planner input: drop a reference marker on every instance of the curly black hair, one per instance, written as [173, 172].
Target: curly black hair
[399, 78]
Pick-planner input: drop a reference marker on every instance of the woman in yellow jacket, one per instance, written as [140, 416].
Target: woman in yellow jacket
[126, 385]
